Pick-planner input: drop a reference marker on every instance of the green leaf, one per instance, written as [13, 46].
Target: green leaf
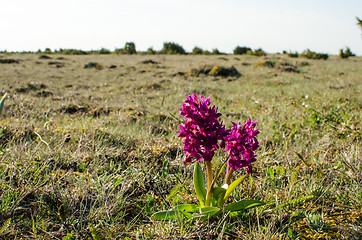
[233, 185]
[290, 233]
[217, 191]
[165, 215]
[243, 205]
[2, 103]
[187, 209]
[220, 193]
[207, 212]
[174, 191]
[199, 182]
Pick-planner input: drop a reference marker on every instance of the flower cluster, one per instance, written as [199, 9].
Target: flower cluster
[202, 130]
[202, 133]
[242, 144]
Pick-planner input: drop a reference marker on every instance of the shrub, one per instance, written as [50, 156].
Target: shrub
[130, 48]
[291, 54]
[359, 22]
[241, 50]
[172, 48]
[47, 51]
[346, 54]
[313, 55]
[72, 52]
[150, 51]
[104, 51]
[206, 52]
[215, 51]
[258, 52]
[197, 51]
[119, 51]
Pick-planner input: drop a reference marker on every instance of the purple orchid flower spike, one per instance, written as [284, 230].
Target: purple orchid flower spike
[241, 144]
[202, 130]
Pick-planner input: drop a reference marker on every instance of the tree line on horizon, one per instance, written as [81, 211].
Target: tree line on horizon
[172, 48]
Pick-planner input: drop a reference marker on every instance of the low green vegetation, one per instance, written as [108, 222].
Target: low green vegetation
[241, 50]
[346, 53]
[172, 48]
[359, 22]
[129, 48]
[314, 55]
[197, 51]
[92, 153]
[291, 54]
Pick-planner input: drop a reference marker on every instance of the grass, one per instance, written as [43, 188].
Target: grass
[92, 153]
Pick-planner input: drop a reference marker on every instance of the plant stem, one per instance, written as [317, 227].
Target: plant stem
[209, 182]
[229, 173]
[209, 173]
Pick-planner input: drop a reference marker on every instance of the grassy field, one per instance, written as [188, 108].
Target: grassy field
[91, 153]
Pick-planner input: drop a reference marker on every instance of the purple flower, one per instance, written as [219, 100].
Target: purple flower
[202, 130]
[242, 144]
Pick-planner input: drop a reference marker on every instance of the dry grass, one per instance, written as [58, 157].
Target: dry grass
[92, 153]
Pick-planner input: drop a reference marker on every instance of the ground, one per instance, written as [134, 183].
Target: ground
[88, 148]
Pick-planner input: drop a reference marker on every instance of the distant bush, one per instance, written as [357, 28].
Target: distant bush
[197, 51]
[101, 51]
[346, 54]
[47, 51]
[359, 22]
[215, 51]
[72, 52]
[291, 54]
[313, 55]
[150, 51]
[172, 48]
[104, 51]
[258, 52]
[206, 52]
[241, 50]
[130, 48]
[119, 51]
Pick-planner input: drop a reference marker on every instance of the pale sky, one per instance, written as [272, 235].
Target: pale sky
[320, 25]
